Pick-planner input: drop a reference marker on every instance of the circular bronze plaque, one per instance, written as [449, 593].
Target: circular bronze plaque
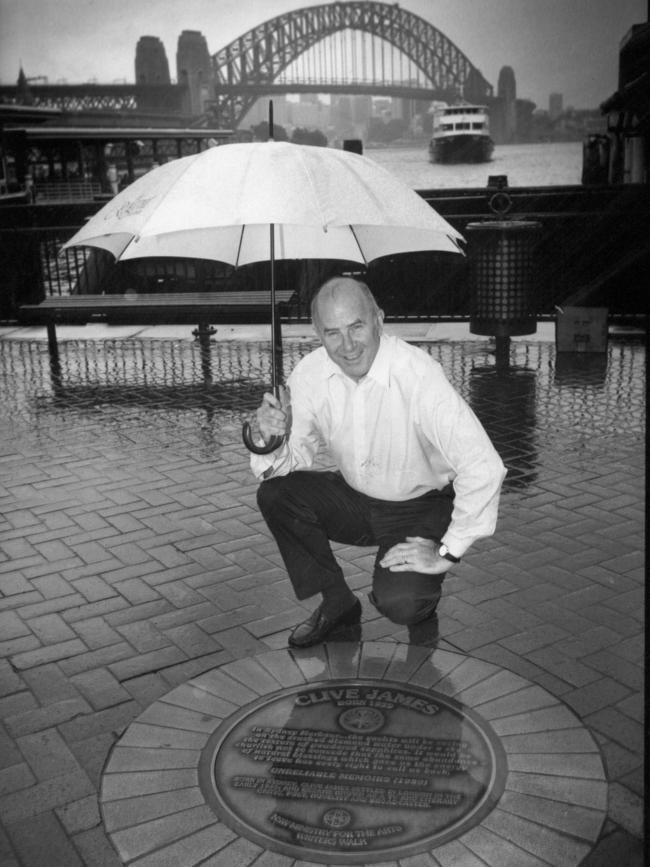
[353, 771]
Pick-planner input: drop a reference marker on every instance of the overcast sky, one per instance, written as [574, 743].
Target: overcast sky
[565, 46]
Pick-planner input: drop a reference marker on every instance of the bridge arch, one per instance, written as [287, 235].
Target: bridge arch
[256, 58]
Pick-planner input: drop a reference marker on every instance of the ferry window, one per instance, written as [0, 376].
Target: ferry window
[477, 126]
[462, 126]
[447, 126]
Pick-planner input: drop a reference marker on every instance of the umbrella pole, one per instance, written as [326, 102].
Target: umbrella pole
[274, 371]
[277, 373]
[276, 332]
[276, 362]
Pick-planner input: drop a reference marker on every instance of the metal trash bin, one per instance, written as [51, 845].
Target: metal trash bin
[503, 273]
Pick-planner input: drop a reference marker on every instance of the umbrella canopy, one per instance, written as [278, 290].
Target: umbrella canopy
[323, 203]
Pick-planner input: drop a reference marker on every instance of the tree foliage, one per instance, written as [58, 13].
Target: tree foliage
[304, 136]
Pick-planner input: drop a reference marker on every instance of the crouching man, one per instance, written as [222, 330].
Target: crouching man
[416, 473]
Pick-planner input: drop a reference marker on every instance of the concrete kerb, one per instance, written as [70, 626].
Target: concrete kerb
[413, 331]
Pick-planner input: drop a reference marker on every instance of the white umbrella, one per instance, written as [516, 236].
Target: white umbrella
[255, 202]
[323, 203]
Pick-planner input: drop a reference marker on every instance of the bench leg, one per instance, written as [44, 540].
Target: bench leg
[53, 349]
[203, 332]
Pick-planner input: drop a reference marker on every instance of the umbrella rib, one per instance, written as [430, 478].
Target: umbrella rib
[354, 235]
[239, 246]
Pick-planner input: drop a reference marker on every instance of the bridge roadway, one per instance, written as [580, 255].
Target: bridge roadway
[341, 88]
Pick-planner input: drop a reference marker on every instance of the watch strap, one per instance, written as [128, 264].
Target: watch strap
[443, 550]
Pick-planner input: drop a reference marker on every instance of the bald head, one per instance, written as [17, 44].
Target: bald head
[340, 288]
[349, 323]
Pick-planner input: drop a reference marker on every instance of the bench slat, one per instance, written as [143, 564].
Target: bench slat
[210, 300]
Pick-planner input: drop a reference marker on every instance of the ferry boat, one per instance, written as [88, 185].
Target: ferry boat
[461, 134]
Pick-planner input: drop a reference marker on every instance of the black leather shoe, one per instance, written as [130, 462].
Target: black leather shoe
[317, 627]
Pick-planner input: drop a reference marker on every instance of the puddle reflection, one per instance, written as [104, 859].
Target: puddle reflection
[581, 369]
[504, 401]
[157, 390]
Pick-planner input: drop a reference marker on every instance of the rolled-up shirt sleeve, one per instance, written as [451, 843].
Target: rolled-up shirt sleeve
[477, 471]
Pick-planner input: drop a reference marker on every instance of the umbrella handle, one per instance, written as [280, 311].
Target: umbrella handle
[252, 446]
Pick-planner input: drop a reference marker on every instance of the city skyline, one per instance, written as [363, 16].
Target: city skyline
[559, 46]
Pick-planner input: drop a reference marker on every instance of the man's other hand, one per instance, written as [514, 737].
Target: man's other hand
[416, 554]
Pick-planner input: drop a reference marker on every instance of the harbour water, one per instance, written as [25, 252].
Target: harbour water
[534, 165]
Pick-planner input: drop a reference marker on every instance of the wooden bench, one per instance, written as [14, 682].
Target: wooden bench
[195, 308]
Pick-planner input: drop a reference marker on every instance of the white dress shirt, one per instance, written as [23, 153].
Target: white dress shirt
[399, 432]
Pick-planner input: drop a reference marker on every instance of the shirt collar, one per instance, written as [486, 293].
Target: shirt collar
[379, 369]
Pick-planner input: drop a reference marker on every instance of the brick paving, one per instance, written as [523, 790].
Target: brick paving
[133, 559]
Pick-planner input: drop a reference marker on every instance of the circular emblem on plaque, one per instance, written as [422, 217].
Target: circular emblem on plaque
[362, 719]
[337, 818]
[353, 771]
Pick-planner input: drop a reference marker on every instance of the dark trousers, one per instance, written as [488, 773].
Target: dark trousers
[305, 510]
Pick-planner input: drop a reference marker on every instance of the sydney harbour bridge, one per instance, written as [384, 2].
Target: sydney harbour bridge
[355, 48]
[360, 47]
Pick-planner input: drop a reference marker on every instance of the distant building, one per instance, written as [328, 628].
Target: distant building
[628, 111]
[259, 112]
[503, 108]
[507, 94]
[308, 113]
[361, 109]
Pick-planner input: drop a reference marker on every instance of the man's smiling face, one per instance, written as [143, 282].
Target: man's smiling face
[349, 325]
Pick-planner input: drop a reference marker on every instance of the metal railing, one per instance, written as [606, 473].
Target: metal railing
[66, 191]
[592, 248]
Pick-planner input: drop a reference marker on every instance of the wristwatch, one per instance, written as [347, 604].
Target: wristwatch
[443, 550]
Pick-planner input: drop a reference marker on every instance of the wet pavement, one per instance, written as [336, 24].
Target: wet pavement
[133, 558]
